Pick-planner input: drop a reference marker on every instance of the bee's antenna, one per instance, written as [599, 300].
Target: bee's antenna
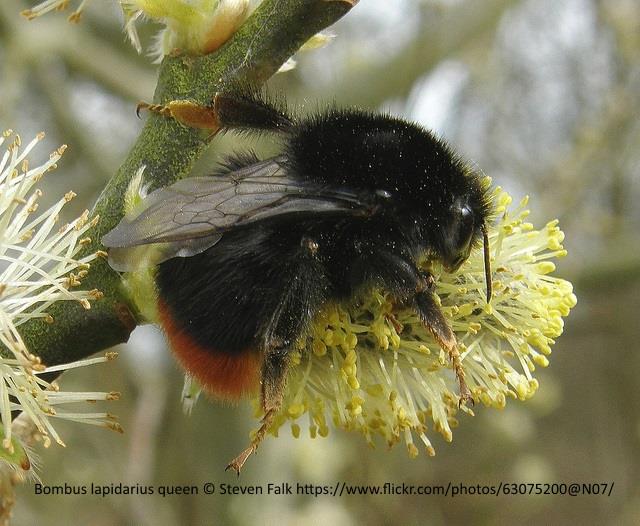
[487, 262]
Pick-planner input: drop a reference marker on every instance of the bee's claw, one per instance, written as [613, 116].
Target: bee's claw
[237, 463]
[141, 106]
[466, 398]
[160, 109]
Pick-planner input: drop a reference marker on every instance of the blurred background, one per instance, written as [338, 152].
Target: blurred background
[543, 95]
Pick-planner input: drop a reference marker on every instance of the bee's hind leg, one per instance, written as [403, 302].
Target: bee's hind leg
[186, 112]
[243, 109]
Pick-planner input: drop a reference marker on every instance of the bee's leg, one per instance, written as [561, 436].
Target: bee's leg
[186, 112]
[300, 299]
[245, 109]
[434, 320]
[251, 110]
[274, 376]
[397, 325]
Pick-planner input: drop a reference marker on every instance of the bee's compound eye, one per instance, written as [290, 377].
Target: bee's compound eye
[466, 214]
[461, 235]
[465, 226]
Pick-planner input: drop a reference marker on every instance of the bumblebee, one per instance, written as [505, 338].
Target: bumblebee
[247, 256]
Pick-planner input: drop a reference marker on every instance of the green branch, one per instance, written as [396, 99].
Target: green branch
[269, 37]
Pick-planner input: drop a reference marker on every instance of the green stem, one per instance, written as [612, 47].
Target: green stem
[270, 36]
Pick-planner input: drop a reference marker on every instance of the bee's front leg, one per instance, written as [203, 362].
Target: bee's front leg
[401, 276]
[433, 318]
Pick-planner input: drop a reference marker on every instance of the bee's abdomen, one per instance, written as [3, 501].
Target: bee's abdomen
[221, 373]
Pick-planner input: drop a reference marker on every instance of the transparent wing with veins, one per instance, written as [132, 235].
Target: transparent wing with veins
[193, 214]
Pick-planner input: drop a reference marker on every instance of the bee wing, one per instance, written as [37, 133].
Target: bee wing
[191, 215]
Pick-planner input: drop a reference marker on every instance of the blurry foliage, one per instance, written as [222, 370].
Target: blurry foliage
[544, 97]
